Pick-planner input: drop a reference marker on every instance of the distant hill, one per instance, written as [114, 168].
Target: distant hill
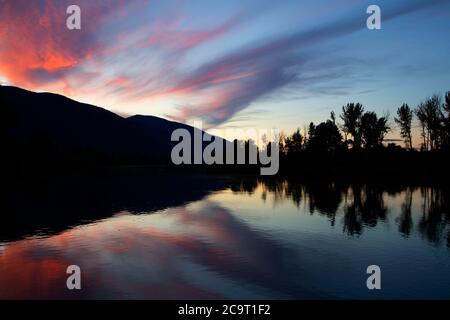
[50, 127]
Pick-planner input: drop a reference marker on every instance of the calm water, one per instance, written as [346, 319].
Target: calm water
[197, 239]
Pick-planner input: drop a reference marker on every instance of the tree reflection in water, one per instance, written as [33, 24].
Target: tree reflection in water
[363, 204]
[434, 222]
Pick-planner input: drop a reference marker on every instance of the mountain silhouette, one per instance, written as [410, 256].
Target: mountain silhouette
[51, 126]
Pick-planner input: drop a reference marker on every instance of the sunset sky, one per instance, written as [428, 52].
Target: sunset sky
[246, 63]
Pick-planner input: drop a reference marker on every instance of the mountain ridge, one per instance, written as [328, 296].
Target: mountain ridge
[69, 128]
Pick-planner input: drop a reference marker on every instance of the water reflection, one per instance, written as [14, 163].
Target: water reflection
[405, 221]
[363, 205]
[165, 256]
[435, 215]
[243, 239]
[53, 207]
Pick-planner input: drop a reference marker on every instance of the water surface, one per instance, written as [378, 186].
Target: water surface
[241, 240]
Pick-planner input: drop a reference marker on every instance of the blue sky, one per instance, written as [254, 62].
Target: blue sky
[230, 63]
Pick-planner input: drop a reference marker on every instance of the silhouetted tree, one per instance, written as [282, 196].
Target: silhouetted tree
[294, 143]
[404, 121]
[429, 114]
[383, 128]
[421, 116]
[333, 117]
[326, 137]
[369, 133]
[447, 101]
[282, 143]
[351, 115]
[373, 129]
[446, 122]
[311, 131]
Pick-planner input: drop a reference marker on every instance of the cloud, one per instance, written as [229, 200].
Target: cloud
[36, 45]
[254, 72]
[139, 52]
[38, 51]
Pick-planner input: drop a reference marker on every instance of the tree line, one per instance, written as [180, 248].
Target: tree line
[359, 129]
